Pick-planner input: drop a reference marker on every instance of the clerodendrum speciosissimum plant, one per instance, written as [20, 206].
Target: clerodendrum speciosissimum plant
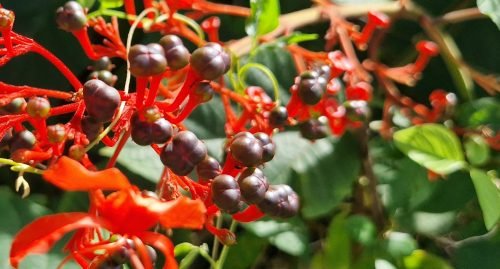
[331, 93]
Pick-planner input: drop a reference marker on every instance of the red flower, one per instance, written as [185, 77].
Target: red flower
[125, 212]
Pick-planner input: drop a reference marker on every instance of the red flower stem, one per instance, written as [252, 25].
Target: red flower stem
[209, 7]
[140, 89]
[119, 147]
[7, 40]
[77, 117]
[240, 124]
[421, 63]
[130, 8]
[84, 40]
[186, 111]
[230, 166]
[211, 26]
[149, 4]
[191, 79]
[40, 127]
[73, 80]
[27, 91]
[154, 85]
[294, 104]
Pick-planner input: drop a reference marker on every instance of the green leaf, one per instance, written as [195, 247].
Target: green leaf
[16, 213]
[245, 254]
[420, 259]
[183, 249]
[297, 37]
[399, 244]
[478, 252]
[361, 229]
[289, 158]
[105, 4]
[484, 111]
[87, 3]
[280, 62]
[490, 8]
[138, 159]
[264, 17]
[288, 237]
[477, 150]
[489, 197]
[433, 146]
[338, 245]
[326, 178]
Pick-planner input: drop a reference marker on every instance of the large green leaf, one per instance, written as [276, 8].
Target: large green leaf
[245, 254]
[325, 181]
[16, 213]
[421, 259]
[289, 237]
[490, 8]
[138, 159]
[433, 146]
[337, 249]
[488, 196]
[291, 152]
[484, 111]
[264, 17]
[478, 252]
[105, 4]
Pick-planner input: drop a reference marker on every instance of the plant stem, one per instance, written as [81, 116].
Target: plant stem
[225, 250]
[215, 247]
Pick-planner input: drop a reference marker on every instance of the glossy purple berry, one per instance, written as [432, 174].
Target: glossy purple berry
[209, 168]
[71, 17]
[253, 185]
[101, 100]
[311, 87]
[268, 146]
[279, 201]
[176, 54]
[104, 75]
[148, 129]
[147, 60]
[226, 193]
[210, 61]
[103, 63]
[246, 149]
[183, 153]
[203, 92]
[91, 127]
[278, 116]
[313, 129]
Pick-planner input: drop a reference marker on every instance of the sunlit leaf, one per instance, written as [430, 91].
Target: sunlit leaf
[264, 17]
[490, 8]
[105, 4]
[433, 146]
[488, 195]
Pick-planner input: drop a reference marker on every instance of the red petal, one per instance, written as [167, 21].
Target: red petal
[40, 235]
[70, 175]
[252, 213]
[162, 243]
[184, 213]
